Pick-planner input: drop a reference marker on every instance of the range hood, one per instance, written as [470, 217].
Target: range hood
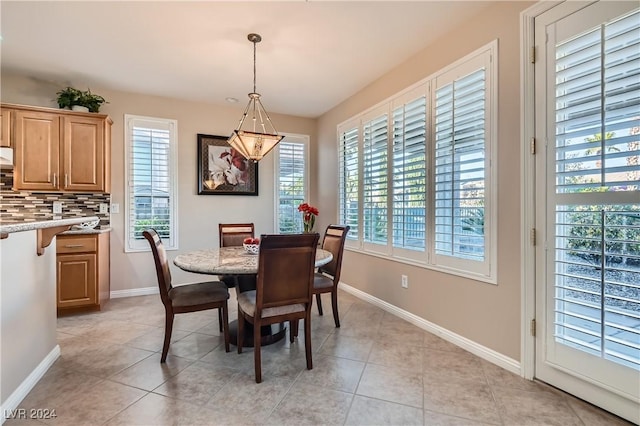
[6, 158]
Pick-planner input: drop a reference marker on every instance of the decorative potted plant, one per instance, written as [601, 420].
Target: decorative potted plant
[91, 101]
[79, 100]
[68, 97]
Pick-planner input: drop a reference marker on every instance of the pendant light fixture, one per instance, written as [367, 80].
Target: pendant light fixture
[259, 137]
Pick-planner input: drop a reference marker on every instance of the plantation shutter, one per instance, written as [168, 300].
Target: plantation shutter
[598, 94]
[460, 130]
[292, 186]
[151, 198]
[349, 181]
[374, 183]
[409, 175]
[597, 192]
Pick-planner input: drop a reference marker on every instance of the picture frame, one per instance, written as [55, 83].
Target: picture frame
[222, 170]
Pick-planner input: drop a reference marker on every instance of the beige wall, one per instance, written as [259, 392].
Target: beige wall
[485, 313]
[198, 215]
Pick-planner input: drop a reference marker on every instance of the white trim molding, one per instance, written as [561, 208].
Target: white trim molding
[13, 401]
[144, 291]
[475, 348]
[527, 183]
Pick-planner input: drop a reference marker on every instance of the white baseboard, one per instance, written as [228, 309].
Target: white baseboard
[145, 291]
[483, 352]
[27, 384]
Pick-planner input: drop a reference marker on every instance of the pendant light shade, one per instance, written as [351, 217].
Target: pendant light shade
[259, 136]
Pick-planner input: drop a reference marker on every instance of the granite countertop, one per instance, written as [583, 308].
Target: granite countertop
[10, 227]
[96, 230]
[230, 261]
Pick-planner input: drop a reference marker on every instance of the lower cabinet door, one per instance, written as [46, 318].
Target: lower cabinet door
[77, 280]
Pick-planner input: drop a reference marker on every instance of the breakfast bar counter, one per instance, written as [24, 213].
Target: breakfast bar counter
[28, 345]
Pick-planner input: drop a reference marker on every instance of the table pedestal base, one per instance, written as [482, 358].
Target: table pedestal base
[269, 334]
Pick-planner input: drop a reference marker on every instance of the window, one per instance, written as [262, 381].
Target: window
[151, 168]
[461, 145]
[348, 204]
[409, 174]
[374, 182]
[426, 194]
[292, 182]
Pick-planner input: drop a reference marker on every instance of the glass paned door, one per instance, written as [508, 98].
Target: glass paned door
[588, 180]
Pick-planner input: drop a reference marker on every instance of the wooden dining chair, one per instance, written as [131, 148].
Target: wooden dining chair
[232, 235]
[185, 298]
[283, 291]
[328, 276]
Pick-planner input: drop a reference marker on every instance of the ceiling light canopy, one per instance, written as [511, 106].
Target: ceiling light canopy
[259, 136]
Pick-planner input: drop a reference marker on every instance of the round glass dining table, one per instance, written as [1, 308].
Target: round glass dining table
[236, 261]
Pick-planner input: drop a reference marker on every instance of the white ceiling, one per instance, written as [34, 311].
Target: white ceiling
[313, 54]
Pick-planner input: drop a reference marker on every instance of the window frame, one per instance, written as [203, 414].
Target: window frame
[485, 271]
[171, 125]
[298, 139]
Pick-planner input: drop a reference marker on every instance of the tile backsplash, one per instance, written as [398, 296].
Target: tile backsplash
[21, 206]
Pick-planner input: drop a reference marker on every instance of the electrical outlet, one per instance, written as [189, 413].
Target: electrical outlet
[405, 281]
[115, 208]
[104, 208]
[57, 207]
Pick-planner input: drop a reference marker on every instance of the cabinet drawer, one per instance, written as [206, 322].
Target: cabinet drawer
[76, 244]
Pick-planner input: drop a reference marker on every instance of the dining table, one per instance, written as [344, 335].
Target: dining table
[236, 261]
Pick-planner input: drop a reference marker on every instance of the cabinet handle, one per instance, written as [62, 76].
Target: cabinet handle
[55, 179]
[65, 180]
[74, 245]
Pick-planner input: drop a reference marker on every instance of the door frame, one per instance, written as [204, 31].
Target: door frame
[529, 250]
[527, 186]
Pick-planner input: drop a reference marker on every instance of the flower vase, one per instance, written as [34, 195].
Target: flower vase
[307, 223]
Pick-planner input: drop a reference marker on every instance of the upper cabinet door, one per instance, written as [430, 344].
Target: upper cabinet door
[58, 150]
[37, 150]
[83, 154]
[5, 128]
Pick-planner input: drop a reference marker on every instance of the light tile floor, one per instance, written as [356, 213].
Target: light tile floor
[375, 370]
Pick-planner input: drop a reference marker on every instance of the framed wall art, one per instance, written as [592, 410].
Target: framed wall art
[222, 170]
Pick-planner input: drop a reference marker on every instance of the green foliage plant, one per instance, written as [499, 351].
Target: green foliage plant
[91, 101]
[68, 97]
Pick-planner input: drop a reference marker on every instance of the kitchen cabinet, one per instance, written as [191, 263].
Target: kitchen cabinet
[82, 271]
[5, 128]
[59, 150]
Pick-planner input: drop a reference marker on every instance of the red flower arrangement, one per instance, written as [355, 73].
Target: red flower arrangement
[309, 214]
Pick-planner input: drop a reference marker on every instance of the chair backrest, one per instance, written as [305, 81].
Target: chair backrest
[285, 269]
[333, 241]
[232, 234]
[162, 264]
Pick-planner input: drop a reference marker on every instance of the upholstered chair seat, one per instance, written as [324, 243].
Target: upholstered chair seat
[247, 302]
[322, 281]
[192, 295]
